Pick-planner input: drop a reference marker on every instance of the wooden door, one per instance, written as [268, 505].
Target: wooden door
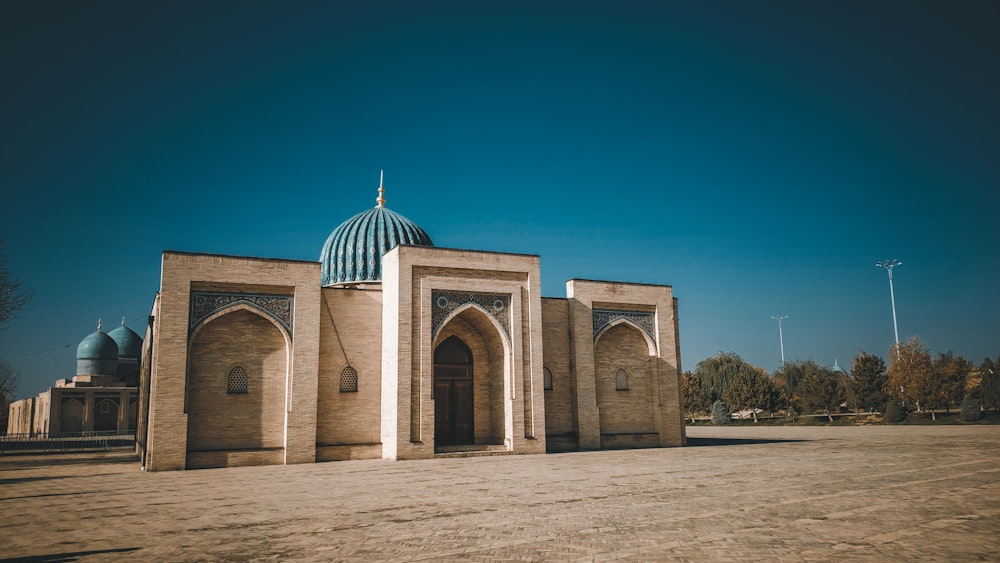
[453, 399]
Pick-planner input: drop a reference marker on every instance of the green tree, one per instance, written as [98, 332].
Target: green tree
[752, 389]
[895, 411]
[911, 376]
[950, 375]
[866, 384]
[821, 389]
[694, 401]
[792, 378]
[989, 385]
[969, 410]
[720, 413]
[717, 372]
[787, 378]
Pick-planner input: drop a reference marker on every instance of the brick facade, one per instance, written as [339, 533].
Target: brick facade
[295, 340]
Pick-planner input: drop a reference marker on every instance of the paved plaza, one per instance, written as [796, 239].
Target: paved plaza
[866, 493]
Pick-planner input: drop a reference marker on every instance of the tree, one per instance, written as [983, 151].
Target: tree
[787, 378]
[720, 413]
[821, 389]
[866, 385]
[13, 296]
[8, 386]
[989, 386]
[799, 382]
[969, 411]
[752, 389]
[910, 376]
[717, 372]
[950, 375]
[694, 401]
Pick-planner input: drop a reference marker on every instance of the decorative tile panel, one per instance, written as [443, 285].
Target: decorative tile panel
[443, 303]
[204, 304]
[644, 320]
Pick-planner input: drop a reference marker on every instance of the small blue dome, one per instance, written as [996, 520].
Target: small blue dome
[353, 252]
[128, 341]
[97, 346]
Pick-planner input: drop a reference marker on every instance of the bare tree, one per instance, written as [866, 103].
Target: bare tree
[8, 386]
[13, 296]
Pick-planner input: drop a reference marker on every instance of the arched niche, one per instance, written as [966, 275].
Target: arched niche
[219, 419]
[489, 351]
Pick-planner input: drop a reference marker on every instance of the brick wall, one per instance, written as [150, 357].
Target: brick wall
[219, 420]
[560, 414]
[350, 333]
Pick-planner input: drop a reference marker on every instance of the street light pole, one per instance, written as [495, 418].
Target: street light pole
[781, 337]
[889, 265]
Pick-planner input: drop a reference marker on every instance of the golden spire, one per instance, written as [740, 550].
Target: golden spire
[381, 191]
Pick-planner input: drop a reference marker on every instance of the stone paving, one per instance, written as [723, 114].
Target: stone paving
[871, 493]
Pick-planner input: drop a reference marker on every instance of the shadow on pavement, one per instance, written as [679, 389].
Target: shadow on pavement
[69, 556]
[30, 460]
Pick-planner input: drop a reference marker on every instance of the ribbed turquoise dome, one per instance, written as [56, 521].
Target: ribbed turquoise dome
[97, 346]
[128, 341]
[353, 252]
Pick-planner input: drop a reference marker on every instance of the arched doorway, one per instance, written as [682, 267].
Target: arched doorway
[71, 415]
[453, 397]
[106, 415]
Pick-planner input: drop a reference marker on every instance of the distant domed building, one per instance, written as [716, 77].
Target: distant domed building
[101, 397]
[97, 355]
[129, 345]
[836, 367]
[390, 347]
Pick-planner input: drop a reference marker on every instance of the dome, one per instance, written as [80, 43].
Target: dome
[97, 346]
[353, 252]
[836, 367]
[128, 341]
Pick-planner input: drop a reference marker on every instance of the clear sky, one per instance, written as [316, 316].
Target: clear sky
[759, 157]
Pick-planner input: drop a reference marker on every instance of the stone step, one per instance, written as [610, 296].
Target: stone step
[475, 450]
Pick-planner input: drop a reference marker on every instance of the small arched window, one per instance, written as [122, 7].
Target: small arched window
[621, 380]
[349, 380]
[546, 379]
[238, 381]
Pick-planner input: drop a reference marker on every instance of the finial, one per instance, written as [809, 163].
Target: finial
[99, 327]
[123, 320]
[381, 191]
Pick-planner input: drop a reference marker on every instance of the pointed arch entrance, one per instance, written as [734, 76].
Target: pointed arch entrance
[454, 422]
[473, 403]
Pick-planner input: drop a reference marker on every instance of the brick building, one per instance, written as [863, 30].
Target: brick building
[390, 347]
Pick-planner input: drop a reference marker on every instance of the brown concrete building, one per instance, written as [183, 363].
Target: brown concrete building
[390, 347]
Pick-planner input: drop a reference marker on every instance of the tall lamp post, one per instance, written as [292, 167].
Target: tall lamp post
[781, 337]
[889, 265]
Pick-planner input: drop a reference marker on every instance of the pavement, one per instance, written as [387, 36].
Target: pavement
[860, 493]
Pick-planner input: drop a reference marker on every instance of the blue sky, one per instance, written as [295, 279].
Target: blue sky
[759, 157]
